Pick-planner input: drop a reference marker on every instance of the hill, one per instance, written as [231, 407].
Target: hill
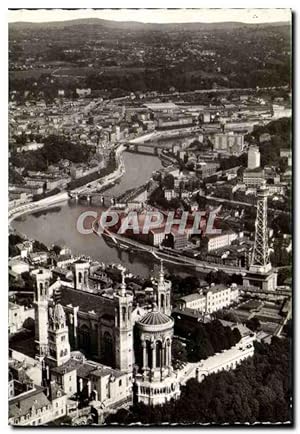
[135, 25]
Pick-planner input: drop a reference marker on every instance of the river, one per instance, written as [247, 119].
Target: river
[58, 224]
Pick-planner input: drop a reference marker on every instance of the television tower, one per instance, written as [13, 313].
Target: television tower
[260, 261]
[260, 273]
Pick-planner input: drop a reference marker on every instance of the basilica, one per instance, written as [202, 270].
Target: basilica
[92, 337]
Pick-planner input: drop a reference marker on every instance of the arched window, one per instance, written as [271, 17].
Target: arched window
[123, 314]
[158, 354]
[149, 352]
[107, 349]
[41, 289]
[84, 338]
[79, 277]
[162, 300]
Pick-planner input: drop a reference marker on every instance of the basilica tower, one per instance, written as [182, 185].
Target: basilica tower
[41, 300]
[123, 328]
[58, 337]
[163, 292]
[81, 274]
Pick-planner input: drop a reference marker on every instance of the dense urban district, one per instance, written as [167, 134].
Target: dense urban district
[91, 342]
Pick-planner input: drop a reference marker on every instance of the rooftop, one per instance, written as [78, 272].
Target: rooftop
[155, 318]
[69, 366]
[86, 301]
[22, 404]
[161, 106]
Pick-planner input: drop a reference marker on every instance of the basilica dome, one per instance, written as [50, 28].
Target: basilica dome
[155, 320]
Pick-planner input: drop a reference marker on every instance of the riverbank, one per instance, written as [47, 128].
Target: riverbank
[37, 206]
[108, 179]
[64, 195]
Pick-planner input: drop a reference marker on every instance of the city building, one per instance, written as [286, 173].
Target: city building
[218, 241]
[17, 317]
[169, 194]
[287, 153]
[36, 405]
[156, 236]
[228, 143]
[253, 157]
[211, 299]
[254, 177]
[18, 266]
[176, 240]
[205, 170]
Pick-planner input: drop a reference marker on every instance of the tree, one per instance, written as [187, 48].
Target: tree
[179, 352]
[168, 182]
[253, 324]
[39, 247]
[56, 249]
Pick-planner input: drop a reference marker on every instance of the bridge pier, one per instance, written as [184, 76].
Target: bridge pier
[136, 148]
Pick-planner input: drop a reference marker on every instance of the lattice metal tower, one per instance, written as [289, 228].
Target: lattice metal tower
[260, 261]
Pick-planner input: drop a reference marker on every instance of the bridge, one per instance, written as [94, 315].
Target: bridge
[107, 200]
[159, 141]
[153, 148]
[94, 198]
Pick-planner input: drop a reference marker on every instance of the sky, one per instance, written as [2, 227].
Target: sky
[155, 15]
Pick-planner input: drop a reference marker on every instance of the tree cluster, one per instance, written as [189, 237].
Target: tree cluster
[205, 339]
[55, 149]
[280, 132]
[13, 240]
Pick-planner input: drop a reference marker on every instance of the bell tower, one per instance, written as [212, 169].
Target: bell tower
[81, 275]
[163, 292]
[41, 300]
[58, 337]
[123, 328]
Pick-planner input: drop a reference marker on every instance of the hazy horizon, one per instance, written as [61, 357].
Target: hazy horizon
[154, 16]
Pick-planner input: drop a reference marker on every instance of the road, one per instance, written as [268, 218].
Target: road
[36, 206]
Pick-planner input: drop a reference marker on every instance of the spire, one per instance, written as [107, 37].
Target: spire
[123, 284]
[154, 307]
[161, 279]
